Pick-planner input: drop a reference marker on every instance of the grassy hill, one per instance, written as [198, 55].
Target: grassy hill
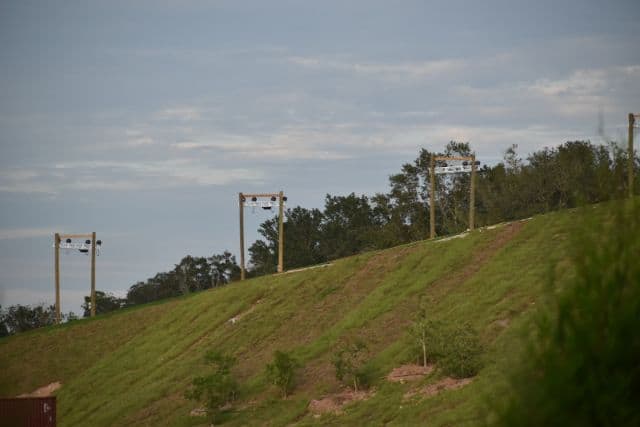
[132, 367]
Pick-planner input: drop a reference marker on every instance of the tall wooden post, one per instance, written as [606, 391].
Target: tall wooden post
[472, 196]
[241, 204]
[630, 160]
[281, 233]
[432, 199]
[93, 274]
[57, 275]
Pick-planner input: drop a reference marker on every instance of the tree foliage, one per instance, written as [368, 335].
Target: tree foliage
[105, 303]
[349, 363]
[216, 389]
[281, 371]
[21, 318]
[549, 179]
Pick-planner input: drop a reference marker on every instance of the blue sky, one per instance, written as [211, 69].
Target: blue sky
[142, 120]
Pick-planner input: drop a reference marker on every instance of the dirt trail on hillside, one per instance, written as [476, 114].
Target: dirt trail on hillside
[44, 391]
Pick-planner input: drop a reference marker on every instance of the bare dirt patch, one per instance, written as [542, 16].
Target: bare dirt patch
[335, 403]
[447, 383]
[44, 391]
[405, 373]
[239, 316]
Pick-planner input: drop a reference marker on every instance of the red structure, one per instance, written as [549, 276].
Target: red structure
[28, 412]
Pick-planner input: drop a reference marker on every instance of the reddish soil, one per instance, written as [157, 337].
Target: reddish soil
[334, 403]
[405, 373]
[45, 391]
[442, 385]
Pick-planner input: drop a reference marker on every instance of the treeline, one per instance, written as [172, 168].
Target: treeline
[191, 274]
[553, 178]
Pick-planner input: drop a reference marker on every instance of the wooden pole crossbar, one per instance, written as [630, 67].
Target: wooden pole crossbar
[432, 196]
[260, 195]
[242, 198]
[76, 236]
[439, 158]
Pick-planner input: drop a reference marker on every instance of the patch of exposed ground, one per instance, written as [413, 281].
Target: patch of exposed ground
[250, 310]
[447, 383]
[308, 268]
[44, 391]
[404, 373]
[335, 403]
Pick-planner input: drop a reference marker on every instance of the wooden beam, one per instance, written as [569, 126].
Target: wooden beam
[281, 233]
[630, 160]
[241, 204]
[57, 275]
[93, 274]
[432, 200]
[454, 158]
[248, 196]
[472, 196]
[75, 236]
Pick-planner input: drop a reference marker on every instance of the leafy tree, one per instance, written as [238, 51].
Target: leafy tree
[216, 389]
[427, 334]
[281, 372]
[105, 303]
[223, 269]
[21, 318]
[462, 351]
[349, 363]
[347, 226]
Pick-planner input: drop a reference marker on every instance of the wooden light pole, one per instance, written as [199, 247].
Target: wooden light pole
[93, 274]
[254, 198]
[472, 195]
[432, 200]
[472, 190]
[82, 247]
[57, 275]
[281, 233]
[241, 204]
[631, 159]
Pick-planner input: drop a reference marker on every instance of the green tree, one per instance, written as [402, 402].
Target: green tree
[349, 363]
[281, 372]
[428, 335]
[347, 226]
[105, 303]
[223, 269]
[20, 318]
[216, 389]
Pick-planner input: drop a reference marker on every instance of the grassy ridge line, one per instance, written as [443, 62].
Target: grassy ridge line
[146, 357]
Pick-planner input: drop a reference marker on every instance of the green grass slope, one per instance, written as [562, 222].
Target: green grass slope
[133, 367]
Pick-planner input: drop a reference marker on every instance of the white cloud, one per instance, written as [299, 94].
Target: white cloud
[25, 233]
[392, 71]
[126, 176]
[180, 113]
